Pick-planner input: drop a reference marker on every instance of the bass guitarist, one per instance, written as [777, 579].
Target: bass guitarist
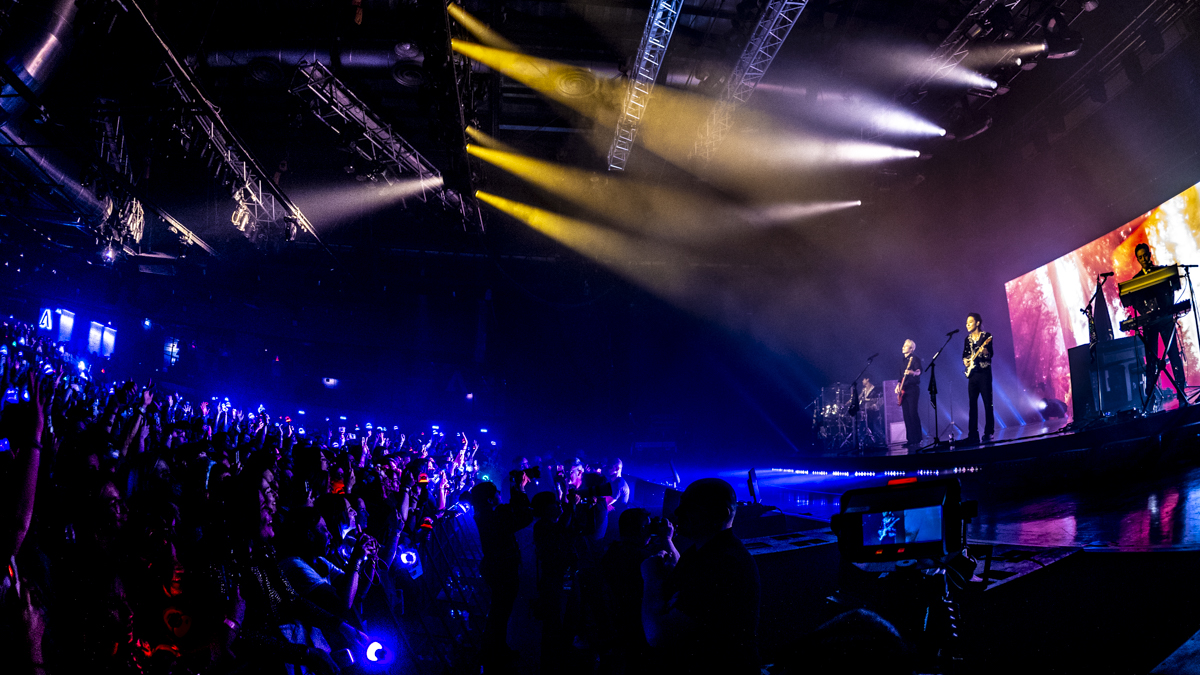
[977, 357]
[908, 391]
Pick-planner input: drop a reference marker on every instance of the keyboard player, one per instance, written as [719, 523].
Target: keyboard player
[1162, 329]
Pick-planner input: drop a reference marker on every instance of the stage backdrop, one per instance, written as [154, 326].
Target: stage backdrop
[1044, 305]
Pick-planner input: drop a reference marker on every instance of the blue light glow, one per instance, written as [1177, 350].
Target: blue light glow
[373, 650]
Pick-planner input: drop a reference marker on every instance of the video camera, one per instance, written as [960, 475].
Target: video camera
[903, 520]
[594, 485]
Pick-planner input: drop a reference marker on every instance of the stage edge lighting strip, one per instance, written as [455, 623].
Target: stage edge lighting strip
[773, 27]
[660, 25]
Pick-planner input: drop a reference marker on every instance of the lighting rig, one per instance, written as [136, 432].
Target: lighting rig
[660, 25]
[774, 25]
[1162, 25]
[263, 212]
[1019, 31]
[375, 140]
[129, 222]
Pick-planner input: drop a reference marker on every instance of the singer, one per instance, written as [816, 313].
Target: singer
[977, 357]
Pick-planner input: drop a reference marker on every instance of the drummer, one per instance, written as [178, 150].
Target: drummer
[869, 395]
[870, 398]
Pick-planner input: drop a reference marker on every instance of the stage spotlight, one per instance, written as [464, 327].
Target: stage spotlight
[785, 213]
[1061, 41]
[330, 383]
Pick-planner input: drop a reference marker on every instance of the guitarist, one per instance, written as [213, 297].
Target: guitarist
[978, 344]
[909, 392]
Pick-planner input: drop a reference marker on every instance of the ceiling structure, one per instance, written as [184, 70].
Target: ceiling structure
[130, 108]
[323, 135]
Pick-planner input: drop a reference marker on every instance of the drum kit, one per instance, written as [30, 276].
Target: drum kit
[836, 420]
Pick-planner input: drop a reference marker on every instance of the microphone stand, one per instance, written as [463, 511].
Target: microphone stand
[1187, 272]
[852, 411]
[937, 434]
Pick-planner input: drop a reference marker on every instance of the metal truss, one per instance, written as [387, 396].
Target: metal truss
[110, 138]
[374, 140]
[264, 213]
[773, 27]
[660, 25]
[260, 207]
[951, 52]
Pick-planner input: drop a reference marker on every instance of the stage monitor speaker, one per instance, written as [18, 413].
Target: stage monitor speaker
[893, 416]
[1120, 374]
[1110, 383]
[1083, 395]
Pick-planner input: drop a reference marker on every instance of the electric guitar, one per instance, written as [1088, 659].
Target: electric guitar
[971, 361]
[900, 394]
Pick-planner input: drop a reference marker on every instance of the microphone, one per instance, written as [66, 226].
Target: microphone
[1106, 274]
[872, 357]
[952, 333]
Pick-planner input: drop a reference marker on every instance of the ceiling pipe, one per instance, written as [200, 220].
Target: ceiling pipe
[42, 39]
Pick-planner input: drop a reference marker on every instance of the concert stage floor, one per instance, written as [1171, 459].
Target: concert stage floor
[1106, 439]
[1117, 483]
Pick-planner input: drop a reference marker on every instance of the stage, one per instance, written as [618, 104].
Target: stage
[1101, 444]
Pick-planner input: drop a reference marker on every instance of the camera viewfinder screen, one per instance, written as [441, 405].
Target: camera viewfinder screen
[910, 526]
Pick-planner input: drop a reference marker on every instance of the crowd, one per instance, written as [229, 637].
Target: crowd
[147, 533]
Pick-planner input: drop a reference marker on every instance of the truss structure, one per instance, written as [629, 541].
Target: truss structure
[951, 52]
[660, 25]
[111, 148]
[373, 139]
[263, 211]
[773, 27]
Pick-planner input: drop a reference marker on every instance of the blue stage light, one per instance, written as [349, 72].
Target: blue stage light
[373, 650]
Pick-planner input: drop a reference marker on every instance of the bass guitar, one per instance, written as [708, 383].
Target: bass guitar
[900, 387]
[975, 355]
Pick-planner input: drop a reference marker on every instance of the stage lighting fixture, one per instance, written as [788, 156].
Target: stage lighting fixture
[1061, 41]
[1153, 38]
[146, 324]
[330, 383]
[1095, 85]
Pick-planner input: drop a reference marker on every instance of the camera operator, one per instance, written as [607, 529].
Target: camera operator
[710, 621]
[498, 524]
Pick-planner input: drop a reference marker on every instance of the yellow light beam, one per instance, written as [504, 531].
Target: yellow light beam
[591, 240]
[479, 29]
[488, 141]
[576, 88]
[636, 205]
[758, 156]
[661, 269]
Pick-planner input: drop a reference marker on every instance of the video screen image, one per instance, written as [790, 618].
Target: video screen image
[1044, 305]
[910, 526]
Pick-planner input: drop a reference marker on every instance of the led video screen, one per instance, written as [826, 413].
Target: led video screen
[1045, 305]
